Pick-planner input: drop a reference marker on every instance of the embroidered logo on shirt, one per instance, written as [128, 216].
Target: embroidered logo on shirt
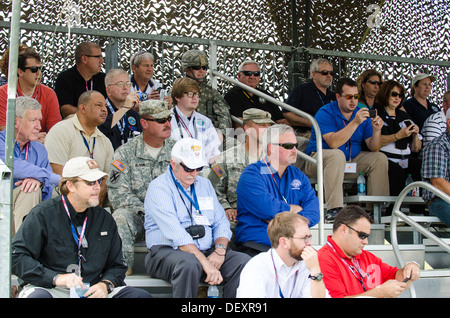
[218, 171]
[296, 184]
[120, 166]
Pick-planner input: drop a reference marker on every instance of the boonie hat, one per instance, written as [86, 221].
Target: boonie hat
[156, 108]
[259, 116]
[422, 76]
[190, 152]
[84, 168]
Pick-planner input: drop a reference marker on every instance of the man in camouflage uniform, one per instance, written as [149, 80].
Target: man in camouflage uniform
[225, 174]
[211, 104]
[134, 166]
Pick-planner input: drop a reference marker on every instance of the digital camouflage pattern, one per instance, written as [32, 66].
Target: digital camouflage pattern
[132, 170]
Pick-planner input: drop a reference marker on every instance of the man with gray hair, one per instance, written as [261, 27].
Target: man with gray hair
[240, 100]
[34, 179]
[309, 97]
[270, 186]
[142, 78]
[134, 165]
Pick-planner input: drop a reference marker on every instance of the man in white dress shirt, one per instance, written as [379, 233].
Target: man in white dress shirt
[290, 269]
[186, 122]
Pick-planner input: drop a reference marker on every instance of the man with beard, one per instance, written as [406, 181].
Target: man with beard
[271, 186]
[290, 269]
[70, 241]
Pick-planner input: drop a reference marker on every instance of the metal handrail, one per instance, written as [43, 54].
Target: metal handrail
[396, 214]
[296, 111]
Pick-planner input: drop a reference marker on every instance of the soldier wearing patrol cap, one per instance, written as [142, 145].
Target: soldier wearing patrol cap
[134, 166]
[211, 104]
[225, 174]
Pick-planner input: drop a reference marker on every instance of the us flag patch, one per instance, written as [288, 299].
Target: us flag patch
[118, 165]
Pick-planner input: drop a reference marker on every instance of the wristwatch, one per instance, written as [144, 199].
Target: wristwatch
[109, 285]
[221, 246]
[317, 277]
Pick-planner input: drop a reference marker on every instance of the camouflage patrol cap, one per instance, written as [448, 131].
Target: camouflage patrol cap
[258, 116]
[155, 108]
[193, 58]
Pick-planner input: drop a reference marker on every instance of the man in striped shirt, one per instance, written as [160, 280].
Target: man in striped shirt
[435, 125]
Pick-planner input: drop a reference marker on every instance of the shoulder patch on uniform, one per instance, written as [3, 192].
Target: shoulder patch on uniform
[218, 170]
[120, 166]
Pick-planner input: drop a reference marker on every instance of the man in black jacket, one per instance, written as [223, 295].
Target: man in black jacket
[69, 242]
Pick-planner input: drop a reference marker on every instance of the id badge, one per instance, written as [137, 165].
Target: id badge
[350, 167]
[403, 163]
[200, 219]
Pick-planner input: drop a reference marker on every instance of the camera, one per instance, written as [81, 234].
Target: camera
[372, 113]
[142, 96]
[408, 122]
[196, 231]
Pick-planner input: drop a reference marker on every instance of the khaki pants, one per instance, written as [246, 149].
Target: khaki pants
[374, 165]
[22, 205]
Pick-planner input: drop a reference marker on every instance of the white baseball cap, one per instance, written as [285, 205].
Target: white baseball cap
[190, 152]
[84, 168]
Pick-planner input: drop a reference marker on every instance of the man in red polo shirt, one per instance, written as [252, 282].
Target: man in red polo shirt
[29, 74]
[349, 271]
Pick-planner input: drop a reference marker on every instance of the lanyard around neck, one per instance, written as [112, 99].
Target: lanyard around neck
[276, 184]
[276, 278]
[91, 153]
[193, 200]
[180, 123]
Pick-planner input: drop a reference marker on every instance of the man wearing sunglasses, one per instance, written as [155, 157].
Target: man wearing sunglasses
[134, 165]
[29, 76]
[84, 76]
[309, 97]
[123, 121]
[194, 64]
[34, 179]
[70, 241]
[239, 99]
[350, 271]
[187, 231]
[345, 128]
[270, 186]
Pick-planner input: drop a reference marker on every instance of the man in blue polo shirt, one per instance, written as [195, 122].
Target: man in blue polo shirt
[271, 186]
[344, 128]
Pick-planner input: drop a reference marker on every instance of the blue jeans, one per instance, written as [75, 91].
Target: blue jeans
[441, 209]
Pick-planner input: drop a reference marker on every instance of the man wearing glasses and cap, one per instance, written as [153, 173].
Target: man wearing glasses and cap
[134, 165]
[344, 128]
[187, 232]
[240, 100]
[29, 76]
[271, 186]
[69, 242]
[350, 271]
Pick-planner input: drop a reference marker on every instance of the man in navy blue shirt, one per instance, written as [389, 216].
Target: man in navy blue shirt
[344, 128]
[271, 186]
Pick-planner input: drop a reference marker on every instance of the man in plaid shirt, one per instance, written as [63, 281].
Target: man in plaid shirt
[436, 170]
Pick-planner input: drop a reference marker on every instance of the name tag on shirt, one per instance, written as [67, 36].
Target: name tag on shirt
[350, 167]
[200, 219]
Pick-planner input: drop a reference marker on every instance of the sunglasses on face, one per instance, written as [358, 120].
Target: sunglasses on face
[373, 82]
[350, 96]
[198, 68]
[325, 73]
[34, 69]
[395, 94]
[95, 56]
[159, 120]
[361, 235]
[288, 145]
[91, 183]
[187, 169]
[250, 73]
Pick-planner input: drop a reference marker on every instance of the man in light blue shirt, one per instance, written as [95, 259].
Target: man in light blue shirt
[34, 179]
[187, 231]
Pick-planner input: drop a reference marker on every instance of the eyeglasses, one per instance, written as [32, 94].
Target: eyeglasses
[350, 96]
[361, 235]
[122, 84]
[91, 183]
[373, 82]
[288, 145]
[197, 68]
[192, 94]
[395, 94]
[34, 69]
[325, 73]
[96, 56]
[159, 120]
[307, 238]
[250, 73]
[187, 169]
